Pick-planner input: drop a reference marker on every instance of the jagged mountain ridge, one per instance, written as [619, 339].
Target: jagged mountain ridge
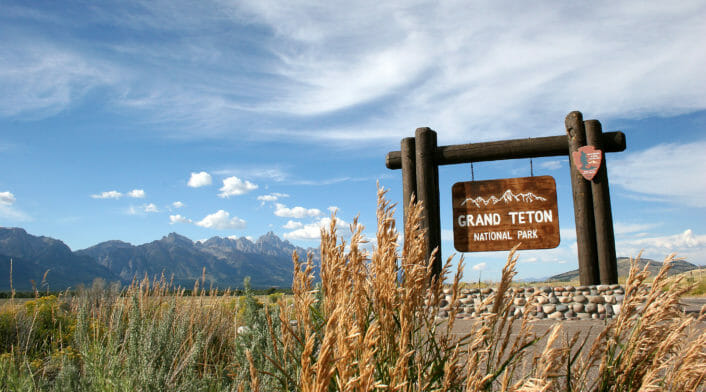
[227, 261]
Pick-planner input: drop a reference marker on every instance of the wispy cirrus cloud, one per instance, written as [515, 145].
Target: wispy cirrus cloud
[679, 168]
[369, 73]
[686, 244]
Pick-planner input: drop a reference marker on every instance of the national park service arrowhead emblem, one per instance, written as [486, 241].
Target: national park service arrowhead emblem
[587, 160]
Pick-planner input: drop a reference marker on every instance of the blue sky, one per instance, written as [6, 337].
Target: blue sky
[129, 120]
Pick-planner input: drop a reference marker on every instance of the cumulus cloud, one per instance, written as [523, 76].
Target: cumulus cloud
[8, 210]
[151, 207]
[7, 198]
[178, 219]
[479, 267]
[677, 166]
[221, 220]
[295, 212]
[234, 186]
[136, 193]
[108, 195]
[177, 204]
[312, 231]
[272, 197]
[290, 225]
[199, 179]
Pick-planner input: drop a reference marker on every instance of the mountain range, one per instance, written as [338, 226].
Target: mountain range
[39, 261]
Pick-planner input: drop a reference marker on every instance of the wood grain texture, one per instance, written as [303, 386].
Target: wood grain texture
[496, 215]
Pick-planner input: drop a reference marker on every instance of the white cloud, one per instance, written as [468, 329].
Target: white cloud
[271, 197]
[221, 220]
[7, 209]
[177, 204]
[678, 168]
[312, 231]
[234, 186]
[685, 244]
[528, 260]
[267, 173]
[45, 77]
[143, 209]
[292, 225]
[108, 195]
[479, 267]
[295, 212]
[442, 73]
[332, 209]
[137, 194]
[443, 64]
[7, 198]
[199, 179]
[178, 219]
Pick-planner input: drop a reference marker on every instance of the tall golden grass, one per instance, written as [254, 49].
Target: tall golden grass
[377, 328]
[370, 324]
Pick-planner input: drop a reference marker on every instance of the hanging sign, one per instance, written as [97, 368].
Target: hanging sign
[587, 160]
[499, 214]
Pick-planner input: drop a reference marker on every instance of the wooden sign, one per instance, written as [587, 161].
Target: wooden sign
[499, 214]
[587, 160]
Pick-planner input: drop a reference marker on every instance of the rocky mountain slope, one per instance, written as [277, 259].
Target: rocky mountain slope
[268, 261]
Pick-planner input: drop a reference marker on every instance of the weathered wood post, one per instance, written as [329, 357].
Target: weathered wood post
[583, 204]
[409, 173]
[605, 236]
[428, 192]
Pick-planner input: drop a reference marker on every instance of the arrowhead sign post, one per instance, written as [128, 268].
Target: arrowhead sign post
[499, 214]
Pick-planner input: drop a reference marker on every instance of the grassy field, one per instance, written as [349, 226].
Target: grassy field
[360, 329]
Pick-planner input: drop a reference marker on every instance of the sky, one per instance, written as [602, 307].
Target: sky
[129, 120]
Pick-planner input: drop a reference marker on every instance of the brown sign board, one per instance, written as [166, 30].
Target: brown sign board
[498, 214]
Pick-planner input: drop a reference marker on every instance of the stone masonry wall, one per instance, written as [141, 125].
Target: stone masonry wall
[558, 303]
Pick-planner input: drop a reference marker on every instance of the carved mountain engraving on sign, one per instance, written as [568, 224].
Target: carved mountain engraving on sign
[499, 214]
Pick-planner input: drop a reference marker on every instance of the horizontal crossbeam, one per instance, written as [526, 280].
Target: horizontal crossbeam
[508, 149]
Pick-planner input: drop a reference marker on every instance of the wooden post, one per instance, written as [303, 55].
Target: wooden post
[428, 192]
[605, 236]
[409, 173]
[583, 204]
